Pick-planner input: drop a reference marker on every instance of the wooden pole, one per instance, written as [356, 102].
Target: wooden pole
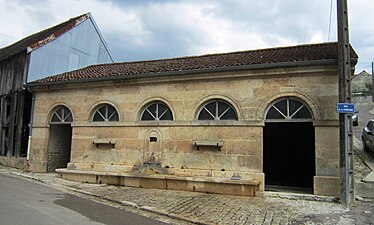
[2, 138]
[372, 81]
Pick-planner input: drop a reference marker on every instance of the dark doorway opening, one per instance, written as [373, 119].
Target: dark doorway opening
[289, 155]
[59, 146]
[26, 123]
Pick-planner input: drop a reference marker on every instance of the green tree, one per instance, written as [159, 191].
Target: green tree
[362, 86]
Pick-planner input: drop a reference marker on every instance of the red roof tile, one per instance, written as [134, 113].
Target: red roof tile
[293, 54]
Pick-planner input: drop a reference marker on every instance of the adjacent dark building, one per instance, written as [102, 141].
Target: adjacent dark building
[67, 46]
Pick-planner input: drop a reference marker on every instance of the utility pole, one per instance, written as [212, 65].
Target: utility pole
[372, 81]
[345, 120]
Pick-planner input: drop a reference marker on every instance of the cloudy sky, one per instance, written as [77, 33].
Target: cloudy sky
[153, 29]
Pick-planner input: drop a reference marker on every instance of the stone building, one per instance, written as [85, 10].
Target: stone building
[362, 84]
[230, 123]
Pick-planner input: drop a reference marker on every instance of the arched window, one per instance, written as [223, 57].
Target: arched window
[156, 111]
[217, 110]
[105, 113]
[61, 115]
[288, 109]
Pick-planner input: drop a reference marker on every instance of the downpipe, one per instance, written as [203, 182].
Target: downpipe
[30, 126]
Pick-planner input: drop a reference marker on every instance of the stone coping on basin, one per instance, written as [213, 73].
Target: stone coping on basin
[253, 182]
[215, 185]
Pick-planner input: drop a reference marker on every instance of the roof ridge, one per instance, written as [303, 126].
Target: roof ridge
[269, 57]
[220, 54]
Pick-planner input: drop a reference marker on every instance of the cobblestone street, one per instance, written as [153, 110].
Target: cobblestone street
[201, 208]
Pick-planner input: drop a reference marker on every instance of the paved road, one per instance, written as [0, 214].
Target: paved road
[196, 206]
[27, 202]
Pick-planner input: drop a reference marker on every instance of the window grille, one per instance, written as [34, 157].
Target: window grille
[61, 115]
[105, 113]
[288, 109]
[156, 111]
[217, 110]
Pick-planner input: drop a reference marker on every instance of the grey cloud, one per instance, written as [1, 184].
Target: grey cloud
[169, 29]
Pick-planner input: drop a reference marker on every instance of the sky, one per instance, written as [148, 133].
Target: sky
[153, 29]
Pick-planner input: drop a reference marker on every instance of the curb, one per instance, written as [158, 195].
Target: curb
[124, 203]
[293, 196]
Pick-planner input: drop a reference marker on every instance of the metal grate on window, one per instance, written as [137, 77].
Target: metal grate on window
[288, 109]
[217, 110]
[105, 113]
[156, 111]
[61, 115]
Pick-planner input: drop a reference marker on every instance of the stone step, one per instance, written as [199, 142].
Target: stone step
[365, 190]
[369, 178]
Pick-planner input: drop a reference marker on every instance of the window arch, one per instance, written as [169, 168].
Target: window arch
[217, 110]
[157, 111]
[61, 115]
[105, 113]
[288, 108]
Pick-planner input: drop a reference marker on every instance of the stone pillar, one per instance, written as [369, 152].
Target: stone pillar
[39, 150]
[327, 179]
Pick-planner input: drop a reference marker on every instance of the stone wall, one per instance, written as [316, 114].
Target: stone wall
[19, 163]
[250, 93]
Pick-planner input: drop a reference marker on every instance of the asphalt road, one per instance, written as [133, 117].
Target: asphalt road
[26, 202]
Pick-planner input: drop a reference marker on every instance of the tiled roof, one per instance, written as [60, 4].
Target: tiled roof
[362, 73]
[38, 39]
[293, 54]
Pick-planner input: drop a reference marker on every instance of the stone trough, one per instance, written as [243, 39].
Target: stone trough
[145, 179]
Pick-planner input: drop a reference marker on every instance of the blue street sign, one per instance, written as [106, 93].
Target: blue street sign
[345, 108]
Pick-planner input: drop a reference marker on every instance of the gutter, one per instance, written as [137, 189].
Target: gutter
[30, 126]
[191, 72]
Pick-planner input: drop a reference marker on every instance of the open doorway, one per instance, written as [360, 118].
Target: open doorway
[289, 147]
[59, 142]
